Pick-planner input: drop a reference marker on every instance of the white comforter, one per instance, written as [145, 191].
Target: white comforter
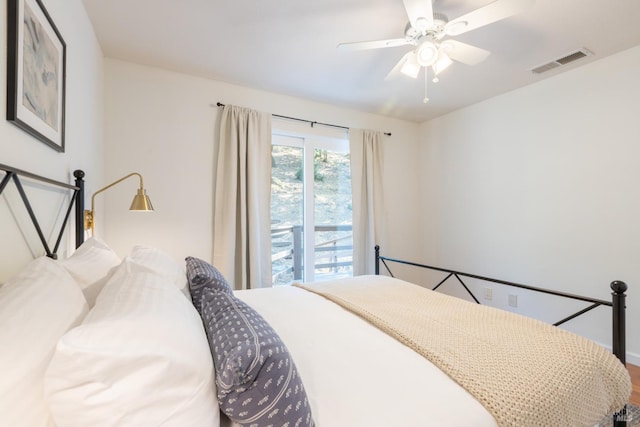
[355, 374]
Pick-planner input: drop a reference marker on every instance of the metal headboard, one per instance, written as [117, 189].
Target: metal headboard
[77, 199]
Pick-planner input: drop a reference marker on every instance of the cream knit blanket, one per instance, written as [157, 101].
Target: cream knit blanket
[525, 372]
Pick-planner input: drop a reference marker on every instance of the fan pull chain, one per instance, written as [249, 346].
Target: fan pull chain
[426, 83]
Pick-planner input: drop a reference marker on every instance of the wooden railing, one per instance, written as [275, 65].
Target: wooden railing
[287, 256]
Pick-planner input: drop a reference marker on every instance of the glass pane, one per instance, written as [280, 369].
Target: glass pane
[287, 203]
[333, 215]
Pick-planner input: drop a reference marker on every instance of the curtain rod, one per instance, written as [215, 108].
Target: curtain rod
[312, 123]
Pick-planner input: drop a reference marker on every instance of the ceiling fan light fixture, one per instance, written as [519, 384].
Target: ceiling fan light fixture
[427, 31]
[410, 68]
[427, 53]
[442, 63]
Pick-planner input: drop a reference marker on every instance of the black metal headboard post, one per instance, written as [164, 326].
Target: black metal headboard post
[79, 175]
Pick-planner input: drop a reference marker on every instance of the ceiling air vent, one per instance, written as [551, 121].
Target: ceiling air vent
[567, 59]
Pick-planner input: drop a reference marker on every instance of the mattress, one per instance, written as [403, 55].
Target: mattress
[356, 375]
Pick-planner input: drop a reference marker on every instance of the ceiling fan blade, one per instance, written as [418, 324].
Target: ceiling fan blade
[464, 53]
[408, 65]
[499, 9]
[376, 44]
[420, 13]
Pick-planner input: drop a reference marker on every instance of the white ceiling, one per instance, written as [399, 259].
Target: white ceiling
[289, 46]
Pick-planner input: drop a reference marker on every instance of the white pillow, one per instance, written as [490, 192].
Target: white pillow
[90, 265]
[161, 263]
[37, 306]
[140, 358]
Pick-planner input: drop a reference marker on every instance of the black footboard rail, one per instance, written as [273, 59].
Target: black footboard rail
[617, 304]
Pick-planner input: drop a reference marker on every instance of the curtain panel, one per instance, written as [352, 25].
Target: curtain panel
[242, 219]
[368, 199]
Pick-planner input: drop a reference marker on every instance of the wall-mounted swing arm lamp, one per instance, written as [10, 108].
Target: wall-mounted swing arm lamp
[140, 203]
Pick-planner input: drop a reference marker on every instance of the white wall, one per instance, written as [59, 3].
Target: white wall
[164, 125]
[542, 186]
[84, 112]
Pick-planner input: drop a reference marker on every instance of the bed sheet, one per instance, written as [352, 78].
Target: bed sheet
[355, 374]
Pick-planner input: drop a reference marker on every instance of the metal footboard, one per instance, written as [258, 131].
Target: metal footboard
[617, 305]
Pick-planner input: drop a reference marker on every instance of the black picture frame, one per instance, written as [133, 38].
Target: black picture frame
[36, 72]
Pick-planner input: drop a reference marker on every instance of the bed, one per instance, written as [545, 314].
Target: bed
[147, 340]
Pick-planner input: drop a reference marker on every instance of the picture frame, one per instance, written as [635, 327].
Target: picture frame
[36, 72]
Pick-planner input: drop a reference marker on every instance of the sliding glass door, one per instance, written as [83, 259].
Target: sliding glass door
[311, 209]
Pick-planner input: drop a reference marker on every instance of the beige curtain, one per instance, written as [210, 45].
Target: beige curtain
[368, 198]
[242, 220]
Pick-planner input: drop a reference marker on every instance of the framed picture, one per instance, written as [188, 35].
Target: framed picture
[36, 68]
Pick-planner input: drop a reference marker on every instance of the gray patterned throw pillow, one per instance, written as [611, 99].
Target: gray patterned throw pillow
[257, 382]
[201, 275]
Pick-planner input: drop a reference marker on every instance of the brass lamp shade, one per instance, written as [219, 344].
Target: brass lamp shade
[141, 201]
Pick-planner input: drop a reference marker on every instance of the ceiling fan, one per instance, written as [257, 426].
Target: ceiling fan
[429, 32]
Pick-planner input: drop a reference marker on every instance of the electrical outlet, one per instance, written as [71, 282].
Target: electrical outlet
[488, 294]
[513, 300]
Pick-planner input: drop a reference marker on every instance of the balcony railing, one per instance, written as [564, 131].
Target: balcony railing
[333, 256]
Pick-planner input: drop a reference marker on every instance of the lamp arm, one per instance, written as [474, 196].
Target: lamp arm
[90, 214]
[115, 183]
